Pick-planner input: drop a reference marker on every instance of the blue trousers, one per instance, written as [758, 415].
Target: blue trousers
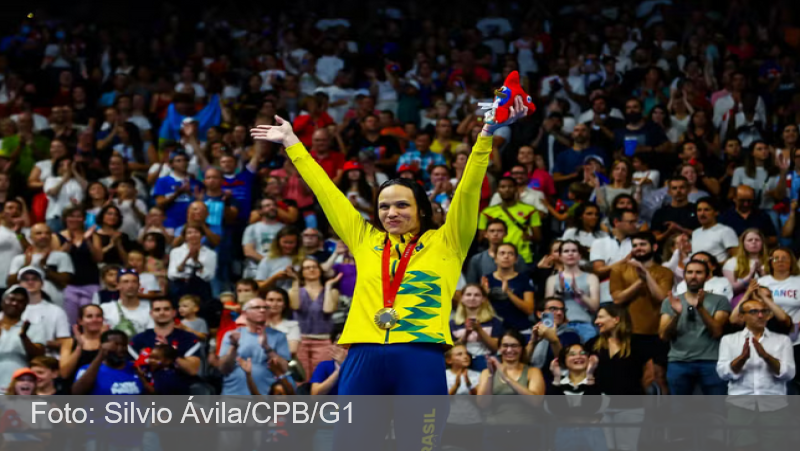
[405, 369]
[682, 378]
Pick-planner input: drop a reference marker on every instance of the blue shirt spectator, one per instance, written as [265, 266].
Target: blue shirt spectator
[175, 191]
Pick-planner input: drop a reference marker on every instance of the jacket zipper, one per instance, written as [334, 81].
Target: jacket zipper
[386, 340]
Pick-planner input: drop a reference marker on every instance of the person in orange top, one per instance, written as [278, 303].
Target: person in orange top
[641, 284]
[389, 127]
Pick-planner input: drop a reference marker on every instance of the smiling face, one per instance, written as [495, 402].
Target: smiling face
[91, 319]
[311, 270]
[510, 349]
[398, 211]
[577, 359]
[605, 322]
[44, 376]
[275, 303]
[288, 244]
[25, 385]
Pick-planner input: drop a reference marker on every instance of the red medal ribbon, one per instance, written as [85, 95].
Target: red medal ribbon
[392, 286]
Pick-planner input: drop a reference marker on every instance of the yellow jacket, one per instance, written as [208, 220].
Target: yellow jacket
[423, 302]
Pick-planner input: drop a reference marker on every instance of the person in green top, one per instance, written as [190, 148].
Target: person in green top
[26, 147]
[523, 221]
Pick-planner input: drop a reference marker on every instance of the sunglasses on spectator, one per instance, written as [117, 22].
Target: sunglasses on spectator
[756, 312]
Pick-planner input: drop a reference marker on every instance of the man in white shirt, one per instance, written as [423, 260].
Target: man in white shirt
[717, 239]
[756, 361]
[51, 318]
[20, 341]
[328, 65]
[608, 251]
[128, 306]
[258, 236]
[11, 241]
[340, 96]
[527, 195]
[54, 264]
[727, 106]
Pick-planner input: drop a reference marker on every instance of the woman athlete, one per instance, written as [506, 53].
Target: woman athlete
[398, 325]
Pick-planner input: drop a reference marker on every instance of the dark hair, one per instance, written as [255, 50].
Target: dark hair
[135, 138]
[634, 203]
[153, 303]
[646, 236]
[616, 215]
[45, 361]
[161, 245]
[364, 189]
[87, 201]
[562, 355]
[541, 305]
[336, 332]
[717, 271]
[69, 210]
[57, 164]
[494, 221]
[249, 282]
[424, 207]
[170, 353]
[106, 336]
[677, 178]
[287, 310]
[505, 177]
[82, 310]
[699, 262]
[103, 212]
[513, 246]
[579, 217]
[750, 162]
[513, 333]
[708, 200]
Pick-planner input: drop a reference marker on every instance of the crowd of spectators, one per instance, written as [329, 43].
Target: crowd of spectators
[637, 232]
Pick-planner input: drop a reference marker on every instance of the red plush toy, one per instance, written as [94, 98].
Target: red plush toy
[504, 100]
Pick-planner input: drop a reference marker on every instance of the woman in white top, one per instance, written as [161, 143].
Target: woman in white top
[680, 111]
[191, 265]
[760, 173]
[278, 317]
[587, 227]
[784, 281]
[716, 284]
[64, 188]
[750, 262]
[44, 168]
[579, 290]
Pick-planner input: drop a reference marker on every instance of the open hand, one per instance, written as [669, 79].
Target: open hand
[281, 133]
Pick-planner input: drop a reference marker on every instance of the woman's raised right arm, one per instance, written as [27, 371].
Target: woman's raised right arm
[344, 218]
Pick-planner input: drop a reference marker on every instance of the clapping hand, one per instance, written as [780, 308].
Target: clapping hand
[675, 303]
[245, 365]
